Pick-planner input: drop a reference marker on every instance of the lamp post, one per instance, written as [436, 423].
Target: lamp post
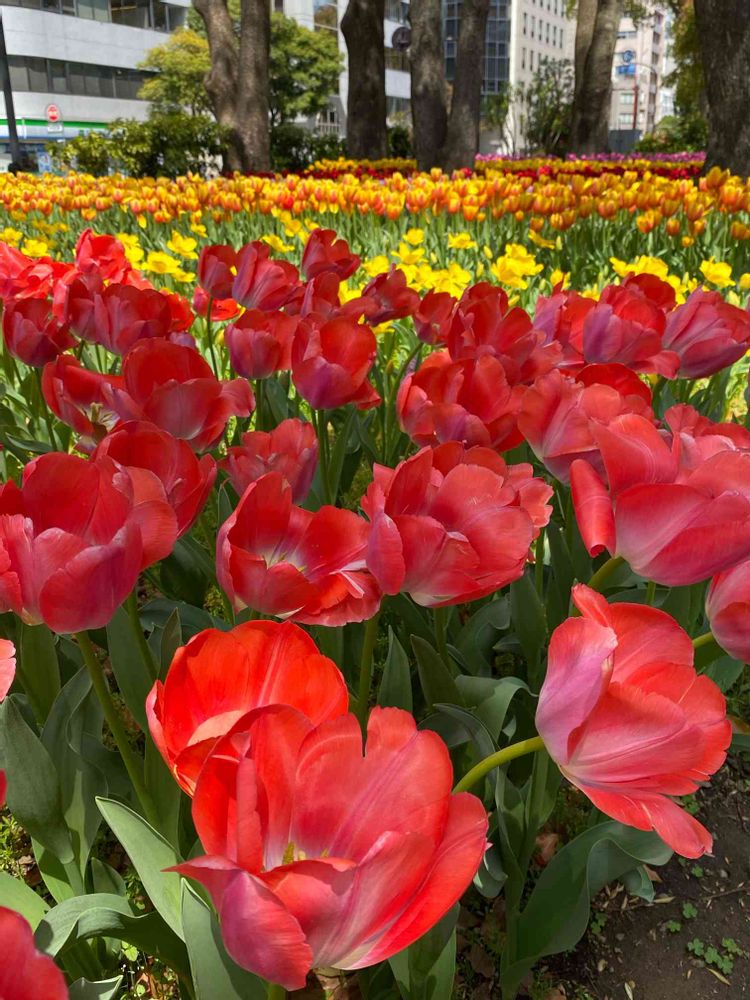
[10, 114]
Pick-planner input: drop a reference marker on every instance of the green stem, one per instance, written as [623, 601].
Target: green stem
[604, 572]
[440, 616]
[321, 425]
[44, 409]
[275, 992]
[365, 669]
[133, 763]
[703, 640]
[650, 592]
[503, 756]
[147, 656]
[260, 404]
[75, 880]
[539, 564]
[210, 337]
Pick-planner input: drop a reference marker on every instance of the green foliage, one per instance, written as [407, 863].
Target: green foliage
[167, 144]
[400, 142]
[180, 66]
[545, 107]
[304, 70]
[294, 147]
[675, 134]
[689, 912]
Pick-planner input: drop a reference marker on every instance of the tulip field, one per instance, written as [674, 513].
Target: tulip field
[357, 529]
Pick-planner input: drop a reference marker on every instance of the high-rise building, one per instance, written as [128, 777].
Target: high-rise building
[641, 61]
[80, 57]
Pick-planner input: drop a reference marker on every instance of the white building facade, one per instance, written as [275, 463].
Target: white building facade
[639, 96]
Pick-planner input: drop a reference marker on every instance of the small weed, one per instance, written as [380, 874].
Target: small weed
[697, 947]
[697, 871]
[673, 926]
[691, 805]
[722, 959]
[598, 922]
[689, 912]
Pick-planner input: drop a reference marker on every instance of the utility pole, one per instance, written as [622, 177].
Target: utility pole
[10, 114]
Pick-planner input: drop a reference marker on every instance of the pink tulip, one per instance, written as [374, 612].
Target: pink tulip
[627, 719]
[728, 610]
[707, 334]
[318, 855]
[291, 449]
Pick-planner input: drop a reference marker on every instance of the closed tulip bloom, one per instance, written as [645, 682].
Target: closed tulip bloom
[32, 333]
[626, 326]
[221, 309]
[101, 254]
[728, 610]
[218, 679]
[469, 401]
[677, 515]
[78, 397]
[217, 266]
[173, 387]
[627, 719]
[326, 254]
[124, 315]
[170, 483]
[73, 302]
[387, 297]
[281, 560]
[707, 334]
[320, 855]
[331, 362]
[558, 413]
[25, 973]
[290, 449]
[262, 283]
[260, 343]
[452, 524]
[70, 548]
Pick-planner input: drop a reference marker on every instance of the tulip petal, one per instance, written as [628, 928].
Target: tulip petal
[593, 508]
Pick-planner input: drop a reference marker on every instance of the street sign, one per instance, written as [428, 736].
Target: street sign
[53, 113]
[628, 70]
[628, 56]
[55, 128]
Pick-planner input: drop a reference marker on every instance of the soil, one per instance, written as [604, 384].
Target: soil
[634, 949]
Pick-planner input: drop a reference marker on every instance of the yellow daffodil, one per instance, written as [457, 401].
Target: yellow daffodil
[276, 243]
[183, 246]
[375, 266]
[414, 237]
[559, 277]
[11, 236]
[407, 254]
[744, 281]
[461, 241]
[159, 262]
[127, 239]
[199, 229]
[35, 248]
[134, 254]
[540, 240]
[717, 272]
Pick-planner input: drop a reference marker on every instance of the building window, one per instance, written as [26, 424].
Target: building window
[533, 25]
[546, 32]
[523, 58]
[561, 37]
[396, 60]
[154, 14]
[525, 21]
[53, 76]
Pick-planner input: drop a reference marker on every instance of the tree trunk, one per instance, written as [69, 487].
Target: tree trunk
[724, 39]
[428, 84]
[596, 37]
[362, 27]
[462, 139]
[237, 83]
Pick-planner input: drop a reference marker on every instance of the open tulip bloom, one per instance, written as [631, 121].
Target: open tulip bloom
[297, 560]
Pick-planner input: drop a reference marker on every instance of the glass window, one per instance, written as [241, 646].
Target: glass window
[127, 83]
[134, 13]
[77, 79]
[94, 10]
[57, 76]
[177, 17]
[37, 75]
[19, 75]
[99, 82]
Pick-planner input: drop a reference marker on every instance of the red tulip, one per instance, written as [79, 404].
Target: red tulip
[432, 318]
[7, 666]
[387, 297]
[656, 290]
[324, 253]
[221, 309]
[291, 449]
[558, 413]
[674, 522]
[23, 277]
[181, 315]
[320, 856]
[331, 362]
[700, 438]
[70, 549]
[260, 343]
[320, 297]
[124, 315]
[560, 317]
[104, 255]
[25, 973]
[626, 327]
[32, 333]
[78, 397]
[173, 387]
[215, 682]
[485, 325]
[707, 334]
[627, 719]
[469, 401]
[452, 524]
[170, 484]
[217, 266]
[73, 302]
[262, 283]
[728, 610]
[281, 560]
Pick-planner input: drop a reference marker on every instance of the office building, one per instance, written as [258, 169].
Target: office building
[639, 96]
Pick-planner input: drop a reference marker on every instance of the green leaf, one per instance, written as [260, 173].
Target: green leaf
[16, 895]
[214, 973]
[477, 638]
[340, 449]
[106, 915]
[437, 683]
[171, 640]
[157, 613]
[187, 572]
[164, 791]
[33, 783]
[38, 668]
[132, 674]
[530, 625]
[490, 697]
[395, 685]
[426, 969]
[104, 989]
[557, 912]
[150, 854]
[725, 671]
